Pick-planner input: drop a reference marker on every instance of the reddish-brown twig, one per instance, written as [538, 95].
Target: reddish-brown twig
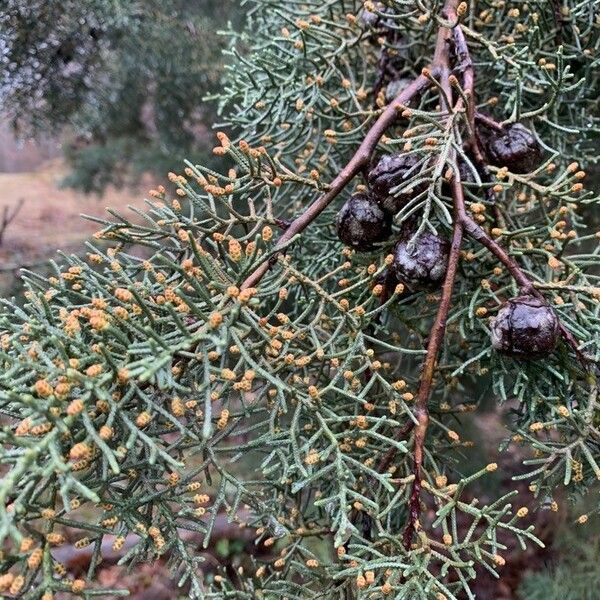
[488, 122]
[438, 330]
[465, 64]
[359, 160]
[433, 347]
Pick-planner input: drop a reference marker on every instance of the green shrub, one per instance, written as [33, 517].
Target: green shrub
[574, 577]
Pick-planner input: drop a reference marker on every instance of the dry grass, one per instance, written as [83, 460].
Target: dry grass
[50, 217]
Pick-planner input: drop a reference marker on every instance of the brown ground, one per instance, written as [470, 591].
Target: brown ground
[49, 218]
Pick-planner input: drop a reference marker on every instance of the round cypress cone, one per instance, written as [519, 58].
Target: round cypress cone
[466, 174]
[372, 18]
[516, 148]
[361, 223]
[390, 171]
[525, 327]
[422, 265]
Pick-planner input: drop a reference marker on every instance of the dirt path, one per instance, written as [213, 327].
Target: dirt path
[49, 218]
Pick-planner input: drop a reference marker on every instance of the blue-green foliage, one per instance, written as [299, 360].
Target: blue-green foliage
[133, 382]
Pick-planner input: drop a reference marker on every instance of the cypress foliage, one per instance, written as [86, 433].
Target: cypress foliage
[225, 353]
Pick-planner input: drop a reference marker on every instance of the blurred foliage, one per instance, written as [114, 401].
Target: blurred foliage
[576, 575]
[125, 80]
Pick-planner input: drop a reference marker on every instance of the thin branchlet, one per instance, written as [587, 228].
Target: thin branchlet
[246, 367]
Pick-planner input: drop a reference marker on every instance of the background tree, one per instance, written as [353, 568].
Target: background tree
[123, 82]
[251, 364]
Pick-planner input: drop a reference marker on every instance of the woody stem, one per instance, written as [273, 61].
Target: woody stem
[439, 326]
[433, 347]
[363, 154]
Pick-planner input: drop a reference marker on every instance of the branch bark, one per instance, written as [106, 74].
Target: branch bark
[489, 122]
[359, 160]
[438, 330]
[433, 347]
[466, 65]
